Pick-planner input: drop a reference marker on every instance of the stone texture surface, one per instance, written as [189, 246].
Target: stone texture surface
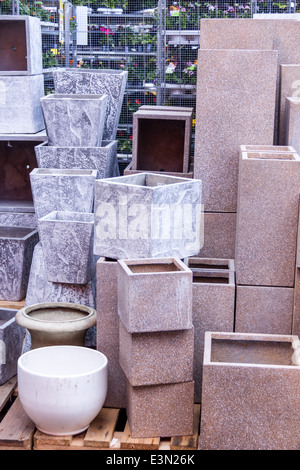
[108, 330]
[289, 87]
[160, 410]
[219, 232]
[20, 109]
[161, 140]
[16, 250]
[21, 40]
[62, 190]
[18, 219]
[156, 358]
[11, 341]
[103, 159]
[147, 215]
[104, 81]
[251, 385]
[67, 243]
[154, 295]
[267, 310]
[129, 171]
[293, 123]
[296, 306]
[74, 120]
[226, 117]
[267, 219]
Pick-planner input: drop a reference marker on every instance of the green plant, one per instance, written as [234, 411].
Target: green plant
[49, 59]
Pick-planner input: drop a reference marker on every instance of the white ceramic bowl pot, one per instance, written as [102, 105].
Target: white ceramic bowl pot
[62, 388]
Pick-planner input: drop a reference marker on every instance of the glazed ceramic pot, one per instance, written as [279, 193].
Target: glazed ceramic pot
[56, 323]
[62, 388]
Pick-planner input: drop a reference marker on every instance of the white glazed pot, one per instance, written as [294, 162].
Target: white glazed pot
[62, 388]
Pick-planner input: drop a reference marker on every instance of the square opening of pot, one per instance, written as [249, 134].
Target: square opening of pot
[13, 50]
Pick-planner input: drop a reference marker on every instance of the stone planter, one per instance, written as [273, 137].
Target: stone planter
[21, 45]
[62, 190]
[129, 171]
[147, 215]
[16, 250]
[11, 340]
[67, 243]
[103, 159]
[251, 384]
[105, 81]
[74, 120]
[292, 122]
[143, 287]
[56, 323]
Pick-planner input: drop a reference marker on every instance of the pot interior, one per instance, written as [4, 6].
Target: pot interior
[57, 314]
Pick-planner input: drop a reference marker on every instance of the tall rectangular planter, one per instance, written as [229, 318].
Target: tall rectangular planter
[67, 243]
[74, 120]
[11, 341]
[16, 250]
[154, 295]
[289, 87]
[147, 215]
[250, 398]
[292, 122]
[62, 190]
[103, 159]
[103, 81]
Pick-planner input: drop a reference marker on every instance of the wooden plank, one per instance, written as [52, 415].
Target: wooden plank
[12, 304]
[41, 439]
[127, 442]
[16, 428]
[7, 390]
[188, 442]
[102, 428]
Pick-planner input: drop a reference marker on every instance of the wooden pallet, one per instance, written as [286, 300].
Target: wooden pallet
[10, 304]
[109, 431]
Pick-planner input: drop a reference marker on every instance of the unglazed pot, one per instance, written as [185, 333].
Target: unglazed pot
[56, 323]
[62, 388]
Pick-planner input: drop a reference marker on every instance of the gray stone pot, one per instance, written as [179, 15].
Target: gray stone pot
[103, 159]
[105, 81]
[67, 243]
[74, 120]
[11, 341]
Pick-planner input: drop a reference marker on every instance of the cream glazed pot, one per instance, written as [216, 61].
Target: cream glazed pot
[62, 388]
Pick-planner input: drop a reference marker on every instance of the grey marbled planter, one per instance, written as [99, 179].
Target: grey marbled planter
[62, 190]
[103, 159]
[74, 120]
[11, 341]
[16, 250]
[67, 243]
[105, 81]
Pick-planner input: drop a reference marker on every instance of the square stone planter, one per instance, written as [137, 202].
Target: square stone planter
[103, 159]
[105, 81]
[67, 243]
[74, 120]
[20, 109]
[267, 218]
[62, 190]
[16, 250]
[129, 171]
[11, 341]
[292, 122]
[157, 358]
[147, 215]
[154, 295]
[250, 392]
[21, 45]
[161, 140]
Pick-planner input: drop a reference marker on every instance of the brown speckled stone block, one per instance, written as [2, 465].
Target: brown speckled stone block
[160, 410]
[219, 232]
[296, 310]
[261, 309]
[157, 358]
[154, 294]
[108, 330]
[293, 123]
[289, 87]
[267, 219]
[250, 398]
[226, 117]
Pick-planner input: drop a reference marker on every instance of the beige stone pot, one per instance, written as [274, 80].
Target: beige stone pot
[56, 323]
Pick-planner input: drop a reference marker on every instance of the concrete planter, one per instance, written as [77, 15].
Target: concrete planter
[109, 82]
[74, 120]
[251, 384]
[21, 45]
[67, 243]
[103, 159]
[62, 190]
[129, 171]
[16, 250]
[143, 287]
[147, 215]
[11, 340]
